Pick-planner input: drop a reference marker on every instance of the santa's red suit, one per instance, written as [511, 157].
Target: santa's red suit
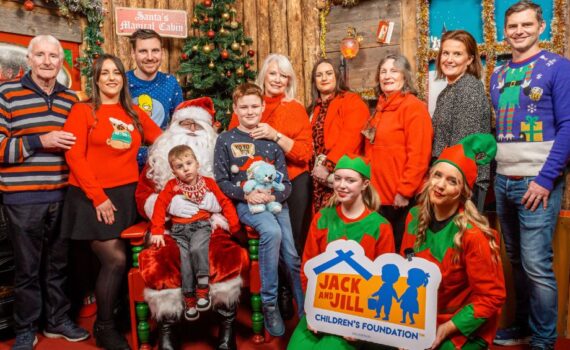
[160, 268]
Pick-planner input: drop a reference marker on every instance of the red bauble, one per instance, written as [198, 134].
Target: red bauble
[184, 56]
[207, 3]
[251, 53]
[225, 54]
[228, 74]
[211, 34]
[217, 125]
[98, 42]
[29, 5]
[206, 19]
[246, 66]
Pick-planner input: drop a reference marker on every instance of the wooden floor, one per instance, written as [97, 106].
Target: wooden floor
[201, 335]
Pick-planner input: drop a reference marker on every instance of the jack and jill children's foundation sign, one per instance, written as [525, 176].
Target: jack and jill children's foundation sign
[168, 23]
[391, 300]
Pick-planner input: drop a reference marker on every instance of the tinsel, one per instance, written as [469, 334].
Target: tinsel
[92, 38]
[323, 13]
[491, 48]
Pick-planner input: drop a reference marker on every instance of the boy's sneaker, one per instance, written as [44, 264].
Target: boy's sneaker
[67, 330]
[272, 320]
[512, 336]
[191, 312]
[25, 341]
[203, 296]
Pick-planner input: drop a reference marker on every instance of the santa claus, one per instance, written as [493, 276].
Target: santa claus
[191, 125]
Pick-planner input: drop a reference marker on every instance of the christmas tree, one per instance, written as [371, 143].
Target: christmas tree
[217, 60]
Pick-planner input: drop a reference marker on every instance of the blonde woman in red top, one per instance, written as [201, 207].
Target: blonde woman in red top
[100, 202]
[285, 121]
[337, 118]
[399, 138]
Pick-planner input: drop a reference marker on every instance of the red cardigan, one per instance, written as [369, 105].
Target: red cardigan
[105, 152]
[346, 117]
[401, 151]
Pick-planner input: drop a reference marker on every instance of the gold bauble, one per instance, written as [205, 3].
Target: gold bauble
[240, 71]
[211, 65]
[207, 48]
[223, 31]
[235, 46]
[234, 24]
[226, 16]
[195, 48]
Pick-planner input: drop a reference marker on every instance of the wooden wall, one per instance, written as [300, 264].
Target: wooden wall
[288, 27]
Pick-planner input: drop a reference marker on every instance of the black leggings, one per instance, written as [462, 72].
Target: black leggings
[299, 203]
[111, 255]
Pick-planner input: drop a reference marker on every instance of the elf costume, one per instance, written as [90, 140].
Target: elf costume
[472, 288]
[370, 229]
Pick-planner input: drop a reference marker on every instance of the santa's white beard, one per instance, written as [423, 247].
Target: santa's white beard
[202, 143]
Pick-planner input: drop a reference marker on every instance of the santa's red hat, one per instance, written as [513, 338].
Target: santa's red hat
[201, 108]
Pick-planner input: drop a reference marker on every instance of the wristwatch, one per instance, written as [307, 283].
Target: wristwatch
[278, 137]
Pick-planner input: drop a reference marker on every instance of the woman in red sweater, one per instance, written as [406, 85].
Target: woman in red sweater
[337, 117]
[399, 137]
[100, 201]
[285, 121]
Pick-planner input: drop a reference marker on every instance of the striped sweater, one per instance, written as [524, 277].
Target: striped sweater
[29, 173]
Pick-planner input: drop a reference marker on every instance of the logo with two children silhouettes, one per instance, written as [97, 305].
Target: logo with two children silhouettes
[391, 300]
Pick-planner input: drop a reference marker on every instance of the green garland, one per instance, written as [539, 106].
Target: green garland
[94, 12]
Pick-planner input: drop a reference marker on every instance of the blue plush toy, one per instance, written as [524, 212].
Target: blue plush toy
[262, 176]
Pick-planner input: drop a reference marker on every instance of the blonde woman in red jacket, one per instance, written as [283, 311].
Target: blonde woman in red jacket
[399, 138]
[337, 117]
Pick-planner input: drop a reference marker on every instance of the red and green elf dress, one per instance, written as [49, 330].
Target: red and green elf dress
[472, 288]
[374, 234]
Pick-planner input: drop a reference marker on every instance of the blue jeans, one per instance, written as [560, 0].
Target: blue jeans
[528, 241]
[276, 245]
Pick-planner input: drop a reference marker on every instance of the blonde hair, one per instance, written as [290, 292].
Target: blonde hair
[370, 197]
[285, 67]
[470, 214]
[178, 152]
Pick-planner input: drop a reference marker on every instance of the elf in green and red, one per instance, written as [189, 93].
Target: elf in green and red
[350, 214]
[446, 228]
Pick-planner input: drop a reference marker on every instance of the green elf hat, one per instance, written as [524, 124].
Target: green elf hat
[356, 163]
[471, 151]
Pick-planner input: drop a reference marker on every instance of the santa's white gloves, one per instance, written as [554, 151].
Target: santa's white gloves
[149, 205]
[210, 203]
[182, 208]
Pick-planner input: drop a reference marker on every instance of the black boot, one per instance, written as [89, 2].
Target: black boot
[167, 339]
[108, 337]
[285, 300]
[226, 334]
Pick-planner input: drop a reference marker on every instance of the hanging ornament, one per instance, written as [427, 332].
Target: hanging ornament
[240, 72]
[251, 53]
[195, 20]
[207, 3]
[29, 5]
[207, 48]
[217, 125]
[234, 24]
[242, 43]
[225, 54]
[228, 112]
[211, 34]
[233, 10]
[229, 74]
[223, 32]
[195, 48]
[246, 66]
[211, 65]
[226, 16]
[321, 4]
[96, 55]
[206, 20]
[235, 46]
[184, 56]
[98, 42]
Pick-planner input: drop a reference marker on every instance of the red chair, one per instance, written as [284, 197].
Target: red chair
[139, 311]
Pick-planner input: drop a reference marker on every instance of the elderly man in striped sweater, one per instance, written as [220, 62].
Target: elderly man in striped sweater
[33, 178]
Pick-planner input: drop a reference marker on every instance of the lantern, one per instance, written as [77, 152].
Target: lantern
[350, 45]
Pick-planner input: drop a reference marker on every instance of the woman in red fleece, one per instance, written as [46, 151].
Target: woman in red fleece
[337, 119]
[399, 137]
[100, 201]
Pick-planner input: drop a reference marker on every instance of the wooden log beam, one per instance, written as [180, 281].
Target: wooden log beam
[249, 23]
[408, 40]
[278, 26]
[263, 33]
[310, 44]
[295, 43]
